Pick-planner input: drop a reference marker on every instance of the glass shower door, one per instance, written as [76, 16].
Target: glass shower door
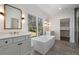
[77, 27]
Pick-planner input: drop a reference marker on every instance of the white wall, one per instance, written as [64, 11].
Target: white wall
[68, 13]
[54, 19]
[32, 9]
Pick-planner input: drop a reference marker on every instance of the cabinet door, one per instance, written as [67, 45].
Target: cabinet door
[9, 50]
[12, 49]
[25, 47]
[2, 50]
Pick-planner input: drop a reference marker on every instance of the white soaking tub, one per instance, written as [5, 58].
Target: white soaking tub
[42, 44]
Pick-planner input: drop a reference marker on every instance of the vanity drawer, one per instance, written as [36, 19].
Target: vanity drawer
[7, 41]
[18, 39]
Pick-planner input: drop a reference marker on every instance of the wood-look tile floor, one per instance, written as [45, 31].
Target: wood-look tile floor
[61, 48]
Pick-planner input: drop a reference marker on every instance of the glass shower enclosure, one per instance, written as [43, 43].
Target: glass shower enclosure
[77, 26]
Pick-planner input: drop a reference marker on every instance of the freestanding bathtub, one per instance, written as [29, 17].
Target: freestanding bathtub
[42, 44]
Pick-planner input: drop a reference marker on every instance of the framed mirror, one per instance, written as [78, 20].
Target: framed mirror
[12, 17]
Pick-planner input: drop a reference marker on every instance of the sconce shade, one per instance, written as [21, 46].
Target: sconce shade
[22, 18]
[2, 13]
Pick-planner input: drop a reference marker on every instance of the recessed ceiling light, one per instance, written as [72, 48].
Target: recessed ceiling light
[60, 8]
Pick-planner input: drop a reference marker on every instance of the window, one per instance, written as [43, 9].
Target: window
[32, 25]
[40, 26]
[35, 25]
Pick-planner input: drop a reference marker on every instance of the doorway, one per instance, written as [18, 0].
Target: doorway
[77, 26]
[65, 29]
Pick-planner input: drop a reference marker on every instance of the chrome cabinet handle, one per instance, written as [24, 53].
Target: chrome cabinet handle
[20, 44]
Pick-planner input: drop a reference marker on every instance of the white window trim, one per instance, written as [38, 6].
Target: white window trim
[37, 23]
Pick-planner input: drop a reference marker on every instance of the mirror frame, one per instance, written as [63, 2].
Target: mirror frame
[5, 16]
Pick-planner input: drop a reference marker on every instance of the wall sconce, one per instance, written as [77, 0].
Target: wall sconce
[49, 24]
[45, 22]
[1, 10]
[2, 13]
[23, 21]
[22, 17]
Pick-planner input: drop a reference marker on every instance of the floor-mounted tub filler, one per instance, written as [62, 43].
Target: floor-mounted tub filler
[42, 44]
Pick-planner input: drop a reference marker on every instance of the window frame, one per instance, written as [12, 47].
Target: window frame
[37, 24]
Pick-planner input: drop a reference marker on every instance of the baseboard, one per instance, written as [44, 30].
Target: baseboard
[73, 45]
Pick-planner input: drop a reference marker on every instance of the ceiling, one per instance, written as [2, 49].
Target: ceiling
[48, 9]
[54, 8]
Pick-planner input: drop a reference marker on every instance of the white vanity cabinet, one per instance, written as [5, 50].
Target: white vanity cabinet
[23, 47]
[20, 45]
[9, 50]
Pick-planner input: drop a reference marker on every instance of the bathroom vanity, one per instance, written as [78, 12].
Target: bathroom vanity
[16, 45]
